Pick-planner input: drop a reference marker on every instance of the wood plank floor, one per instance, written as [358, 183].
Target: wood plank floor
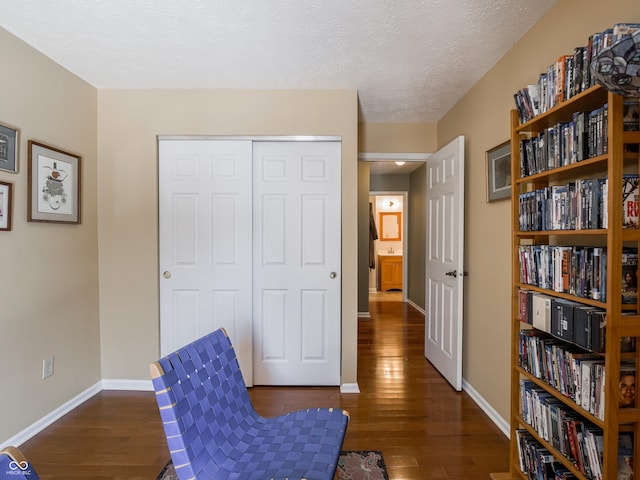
[424, 428]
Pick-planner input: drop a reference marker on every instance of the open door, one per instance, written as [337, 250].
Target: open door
[445, 261]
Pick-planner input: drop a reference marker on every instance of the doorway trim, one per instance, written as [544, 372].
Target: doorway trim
[419, 157]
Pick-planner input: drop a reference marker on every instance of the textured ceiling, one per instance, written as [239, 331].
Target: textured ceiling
[410, 61]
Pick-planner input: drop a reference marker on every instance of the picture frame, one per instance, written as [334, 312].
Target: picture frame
[6, 205]
[498, 161]
[8, 149]
[54, 187]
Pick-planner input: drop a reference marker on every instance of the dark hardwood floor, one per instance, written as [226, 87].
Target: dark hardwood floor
[424, 428]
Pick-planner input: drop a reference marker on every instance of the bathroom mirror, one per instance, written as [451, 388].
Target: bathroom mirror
[390, 226]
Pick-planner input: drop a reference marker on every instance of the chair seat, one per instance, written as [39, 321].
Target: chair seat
[304, 444]
[213, 431]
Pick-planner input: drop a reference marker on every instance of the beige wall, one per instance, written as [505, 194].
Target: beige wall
[482, 116]
[49, 272]
[127, 195]
[397, 137]
[417, 240]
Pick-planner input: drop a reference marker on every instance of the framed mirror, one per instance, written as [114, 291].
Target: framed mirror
[390, 226]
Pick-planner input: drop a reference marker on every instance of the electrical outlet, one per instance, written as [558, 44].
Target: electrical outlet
[47, 367]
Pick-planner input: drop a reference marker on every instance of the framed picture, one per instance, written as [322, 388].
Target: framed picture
[53, 185]
[5, 206]
[8, 149]
[499, 172]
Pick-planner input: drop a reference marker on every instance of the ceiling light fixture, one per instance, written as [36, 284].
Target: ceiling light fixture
[399, 163]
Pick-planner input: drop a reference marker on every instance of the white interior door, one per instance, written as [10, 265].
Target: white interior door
[218, 203]
[445, 261]
[205, 235]
[297, 258]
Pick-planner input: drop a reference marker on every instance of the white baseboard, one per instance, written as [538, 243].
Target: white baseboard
[44, 422]
[36, 427]
[417, 307]
[364, 315]
[349, 388]
[138, 385]
[500, 422]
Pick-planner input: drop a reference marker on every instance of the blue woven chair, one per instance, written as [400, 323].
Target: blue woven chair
[14, 465]
[213, 431]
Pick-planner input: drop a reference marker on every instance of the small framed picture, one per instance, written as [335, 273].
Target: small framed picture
[499, 172]
[8, 149]
[5, 206]
[53, 185]
[627, 386]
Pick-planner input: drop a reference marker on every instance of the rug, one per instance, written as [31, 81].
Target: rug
[362, 465]
[352, 465]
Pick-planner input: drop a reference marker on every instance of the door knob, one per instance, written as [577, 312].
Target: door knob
[166, 274]
[333, 275]
[453, 274]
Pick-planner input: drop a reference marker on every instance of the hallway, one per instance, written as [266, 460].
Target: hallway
[424, 428]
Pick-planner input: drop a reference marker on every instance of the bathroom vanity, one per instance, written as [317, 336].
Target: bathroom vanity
[389, 272]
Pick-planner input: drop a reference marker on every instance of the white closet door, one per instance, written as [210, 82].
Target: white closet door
[297, 281]
[206, 243]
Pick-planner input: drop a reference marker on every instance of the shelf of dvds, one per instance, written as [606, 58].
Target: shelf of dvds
[575, 319]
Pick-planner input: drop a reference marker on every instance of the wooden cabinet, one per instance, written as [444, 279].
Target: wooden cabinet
[610, 421]
[389, 272]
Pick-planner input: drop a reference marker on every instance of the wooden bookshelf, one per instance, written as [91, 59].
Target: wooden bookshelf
[611, 165]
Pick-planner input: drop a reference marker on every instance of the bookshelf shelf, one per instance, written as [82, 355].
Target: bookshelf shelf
[631, 235]
[569, 402]
[622, 325]
[566, 296]
[557, 454]
[541, 233]
[588, 100]
[590, 165]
